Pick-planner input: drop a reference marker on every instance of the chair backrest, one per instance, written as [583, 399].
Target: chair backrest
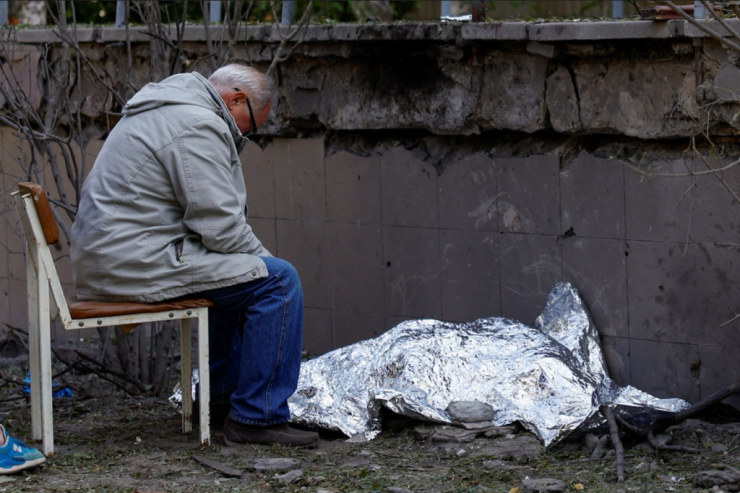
[43, 209]
[40, 230]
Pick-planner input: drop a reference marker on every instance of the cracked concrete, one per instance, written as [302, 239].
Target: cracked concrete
[453, 79]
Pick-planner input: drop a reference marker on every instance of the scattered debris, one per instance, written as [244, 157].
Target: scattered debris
[395, 489]
[726, 478]
[289, 476]
[543, 485]
[222, 468]
[470, 411]
[279, 464]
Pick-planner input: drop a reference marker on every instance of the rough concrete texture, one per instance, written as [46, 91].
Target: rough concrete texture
[460, 171]
[455, 79]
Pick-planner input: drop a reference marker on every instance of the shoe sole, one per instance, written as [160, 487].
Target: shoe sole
[25, 465]
[229, 443]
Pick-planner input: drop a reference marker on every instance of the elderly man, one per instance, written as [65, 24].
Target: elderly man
[163, 215]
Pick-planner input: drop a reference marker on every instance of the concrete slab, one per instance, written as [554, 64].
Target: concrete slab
[305, 245]
[258, 168]
[658, 208]
[661, 292]
[300, 181]
[412, 272]
[530, 266]
[719, 369]
[617, 355]
[598, 269]
[592, 198]
[665, 369]
[349, 327]
[408, 190]
[317, 331]
[718, 295]
[471, 287]
[716, 212]
[356, 268]
[353, 188]
[689, 30]
[529, 195]
[468, 194]
[266, 231]
[118, 34]
[593, 31]
[495, 31]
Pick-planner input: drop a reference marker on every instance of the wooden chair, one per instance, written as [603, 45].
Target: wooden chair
[40, 230]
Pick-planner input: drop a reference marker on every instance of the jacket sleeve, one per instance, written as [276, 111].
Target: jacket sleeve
[199, 164]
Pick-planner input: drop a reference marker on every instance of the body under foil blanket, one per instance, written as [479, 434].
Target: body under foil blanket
[551, 378]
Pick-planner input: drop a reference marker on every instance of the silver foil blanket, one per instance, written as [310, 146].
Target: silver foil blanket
[551, 378]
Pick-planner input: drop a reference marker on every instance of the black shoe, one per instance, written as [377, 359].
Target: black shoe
[237, 433]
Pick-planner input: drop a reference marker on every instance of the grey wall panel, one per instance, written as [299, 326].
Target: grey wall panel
[529, 195]
[592, 198]
[598, 268]
[665, 369]
[471, 286]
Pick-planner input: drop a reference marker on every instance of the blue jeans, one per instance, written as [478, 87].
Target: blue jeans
[256, 332]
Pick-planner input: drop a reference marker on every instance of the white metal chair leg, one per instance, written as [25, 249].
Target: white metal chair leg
[45, 364]
[41, 376]
[34, 345]
[186, 359]
[204, 378]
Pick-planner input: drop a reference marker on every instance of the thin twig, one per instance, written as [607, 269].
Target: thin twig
[710, 32]
[614, 434]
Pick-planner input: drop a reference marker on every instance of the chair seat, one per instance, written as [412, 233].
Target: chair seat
[97, 309]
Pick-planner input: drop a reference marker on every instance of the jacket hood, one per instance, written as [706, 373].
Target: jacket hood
[184, 89]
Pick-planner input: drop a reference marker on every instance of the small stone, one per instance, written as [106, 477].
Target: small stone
[719, 448]
[289, 476]
[280, 464]
[358, 438]
[543, 485]
[314, 480]
[356, 462]
[469, 411]
[396, 489]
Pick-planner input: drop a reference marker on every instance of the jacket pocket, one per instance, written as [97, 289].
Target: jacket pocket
[179, 250]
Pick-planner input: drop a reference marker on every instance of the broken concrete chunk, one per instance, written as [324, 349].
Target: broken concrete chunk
[290, 476]
[446, 434]
[469, 411]
[395, 489]
[279, 464]
[543, 485]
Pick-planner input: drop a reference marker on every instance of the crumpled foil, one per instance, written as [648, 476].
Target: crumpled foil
[551, 378]
[176, 398]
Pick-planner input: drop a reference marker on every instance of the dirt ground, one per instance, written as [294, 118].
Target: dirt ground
[114, 443]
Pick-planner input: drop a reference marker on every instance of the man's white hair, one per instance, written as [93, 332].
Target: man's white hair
[259, 87]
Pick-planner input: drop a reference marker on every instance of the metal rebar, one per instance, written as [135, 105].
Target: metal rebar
[699, 11]
[215, 11]
[120, 13]
[288, 13]
[618, 9]
[4, 13]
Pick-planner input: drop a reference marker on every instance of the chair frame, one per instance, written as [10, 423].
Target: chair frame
[42, 279]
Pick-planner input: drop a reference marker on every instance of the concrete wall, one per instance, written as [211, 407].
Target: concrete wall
[458, 172]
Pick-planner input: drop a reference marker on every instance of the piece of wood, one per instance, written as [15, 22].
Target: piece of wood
[222, 468]
[614, 433]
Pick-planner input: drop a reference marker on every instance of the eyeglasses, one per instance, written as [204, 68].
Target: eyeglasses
[251, 113]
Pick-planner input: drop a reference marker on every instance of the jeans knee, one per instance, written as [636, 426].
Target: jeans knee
[285, 271]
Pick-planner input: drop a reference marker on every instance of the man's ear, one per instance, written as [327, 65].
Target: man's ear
[234, 99]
